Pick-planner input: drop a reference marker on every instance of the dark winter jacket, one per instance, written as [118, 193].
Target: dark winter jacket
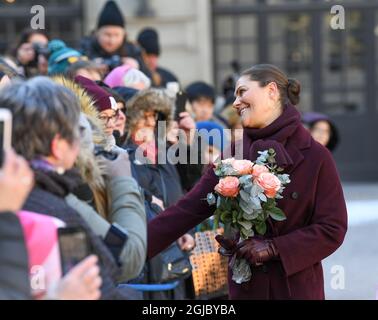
[48, 197]
[14, 267]
[92, 49]
[160, 180]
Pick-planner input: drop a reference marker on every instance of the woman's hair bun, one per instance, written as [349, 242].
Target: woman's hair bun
[293, 90]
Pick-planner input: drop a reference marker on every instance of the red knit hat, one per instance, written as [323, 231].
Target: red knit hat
[102, 99]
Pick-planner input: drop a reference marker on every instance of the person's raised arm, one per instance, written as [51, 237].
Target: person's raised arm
[178, 219]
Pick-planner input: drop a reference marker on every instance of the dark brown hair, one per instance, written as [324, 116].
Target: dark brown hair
[25, 36]
[265, 73]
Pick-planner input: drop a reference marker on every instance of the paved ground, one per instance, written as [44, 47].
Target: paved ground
[358, 256]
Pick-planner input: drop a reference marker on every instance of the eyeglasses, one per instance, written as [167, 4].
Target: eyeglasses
[106, 119]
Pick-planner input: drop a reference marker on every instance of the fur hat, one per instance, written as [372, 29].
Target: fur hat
[91, 169]
[155, 100]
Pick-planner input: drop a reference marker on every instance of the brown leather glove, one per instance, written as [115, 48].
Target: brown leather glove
[257, 251]
[228, 246]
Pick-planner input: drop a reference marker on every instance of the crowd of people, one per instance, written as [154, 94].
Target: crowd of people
[86, 147]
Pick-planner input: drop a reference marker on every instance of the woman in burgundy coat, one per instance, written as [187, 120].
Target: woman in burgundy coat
[286, 262]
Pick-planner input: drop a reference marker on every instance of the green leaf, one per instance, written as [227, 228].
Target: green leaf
[227, 204]
[261, 228]
[226, 217]
[234, 216]
[269, 204]
[277, 214]
[216, 219]
[244, 195]
[271, 160]
[256, 190]
[220, 201]
[262, 197]
[246, 224]
[227, 230]
[245, 234]
[245, 206]
[248, 217]
[247, 179]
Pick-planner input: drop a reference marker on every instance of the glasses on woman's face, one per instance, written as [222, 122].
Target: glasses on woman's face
[106, 119]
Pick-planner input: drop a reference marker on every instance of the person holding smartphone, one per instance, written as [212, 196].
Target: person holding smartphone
[82, 282]
[47, 135]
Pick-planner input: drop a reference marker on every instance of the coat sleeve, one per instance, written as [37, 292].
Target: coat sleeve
[127, 211]
[308, 245]
[97, 223]
[178, 219]
[14, 273]
[127, 214]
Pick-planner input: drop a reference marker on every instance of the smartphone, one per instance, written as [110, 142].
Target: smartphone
[181, 98]
[172, 88]
[5, 132]
[74, 247]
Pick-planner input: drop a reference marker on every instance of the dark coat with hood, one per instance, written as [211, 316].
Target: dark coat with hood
[313, 203]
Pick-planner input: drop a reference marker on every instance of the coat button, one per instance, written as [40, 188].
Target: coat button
[295, 195]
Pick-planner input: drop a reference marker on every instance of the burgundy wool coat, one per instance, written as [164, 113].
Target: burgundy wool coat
[313, 203]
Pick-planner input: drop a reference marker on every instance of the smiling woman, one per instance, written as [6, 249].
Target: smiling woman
[291, 251]
[261, 93]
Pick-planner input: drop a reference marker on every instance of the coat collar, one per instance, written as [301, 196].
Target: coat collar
[286, 135]
[301, 140]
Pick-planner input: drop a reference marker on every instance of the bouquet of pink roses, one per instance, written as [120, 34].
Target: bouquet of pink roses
[245, 198]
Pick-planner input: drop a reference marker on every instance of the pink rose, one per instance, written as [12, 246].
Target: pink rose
[270, 183]
[259, 169]
[228, 187]
[243, 166]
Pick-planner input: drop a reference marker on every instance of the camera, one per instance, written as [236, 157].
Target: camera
[40, 50]
[112, 62]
